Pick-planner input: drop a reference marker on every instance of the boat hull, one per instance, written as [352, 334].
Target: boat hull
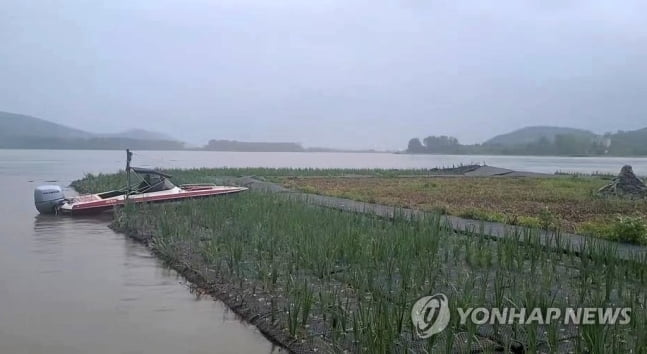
[93, 204]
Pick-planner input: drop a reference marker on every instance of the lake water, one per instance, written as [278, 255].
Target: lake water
[70, 285]
[74, 163]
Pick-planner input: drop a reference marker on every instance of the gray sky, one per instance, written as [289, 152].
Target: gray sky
[355, 74]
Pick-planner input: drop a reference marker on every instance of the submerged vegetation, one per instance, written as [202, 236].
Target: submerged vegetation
[348, 280]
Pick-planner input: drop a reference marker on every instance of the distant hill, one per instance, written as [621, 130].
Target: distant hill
[540, 141]
[18, 131]
[533, 134]
[12, 124]
[632, 142]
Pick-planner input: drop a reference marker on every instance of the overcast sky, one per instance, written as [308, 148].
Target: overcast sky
[336, 73]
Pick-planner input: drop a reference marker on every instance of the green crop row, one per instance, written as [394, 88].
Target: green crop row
[350, 279]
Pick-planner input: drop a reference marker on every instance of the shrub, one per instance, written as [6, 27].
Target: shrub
[599, 228]
[630, 229]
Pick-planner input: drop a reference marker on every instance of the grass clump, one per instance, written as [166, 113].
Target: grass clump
[630, 229]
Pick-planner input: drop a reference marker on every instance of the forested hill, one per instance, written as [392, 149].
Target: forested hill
[12, 124]
[19, 131]
[529, 135]
[554, 141]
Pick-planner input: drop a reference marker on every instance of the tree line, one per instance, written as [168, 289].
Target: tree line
[633, 143]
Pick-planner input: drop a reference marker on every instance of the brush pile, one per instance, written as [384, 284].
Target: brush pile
[626, 184]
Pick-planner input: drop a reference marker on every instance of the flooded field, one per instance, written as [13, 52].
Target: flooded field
[75, 286]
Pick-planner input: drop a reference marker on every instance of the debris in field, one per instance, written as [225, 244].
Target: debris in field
[625, 184]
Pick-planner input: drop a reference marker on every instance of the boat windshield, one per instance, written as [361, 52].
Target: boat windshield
[154, 183]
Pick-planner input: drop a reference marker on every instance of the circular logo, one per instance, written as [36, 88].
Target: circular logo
[430, 315]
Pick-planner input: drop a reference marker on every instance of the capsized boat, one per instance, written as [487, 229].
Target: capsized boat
[154, 187]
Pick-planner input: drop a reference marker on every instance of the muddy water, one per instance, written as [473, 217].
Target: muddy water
[72, 285]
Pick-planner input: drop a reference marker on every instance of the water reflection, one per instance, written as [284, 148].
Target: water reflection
[56, 223]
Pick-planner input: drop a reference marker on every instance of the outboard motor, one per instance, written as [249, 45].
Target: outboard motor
[47, 198]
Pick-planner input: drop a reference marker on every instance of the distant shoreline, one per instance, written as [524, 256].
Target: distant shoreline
[327, 151]
[199, 149]
[493, 154]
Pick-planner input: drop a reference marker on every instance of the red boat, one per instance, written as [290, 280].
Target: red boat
[155, 186]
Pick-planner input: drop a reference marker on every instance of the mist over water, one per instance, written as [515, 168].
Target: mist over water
[335, 73]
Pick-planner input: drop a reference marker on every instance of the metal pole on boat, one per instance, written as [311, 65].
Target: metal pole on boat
[129, 156]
